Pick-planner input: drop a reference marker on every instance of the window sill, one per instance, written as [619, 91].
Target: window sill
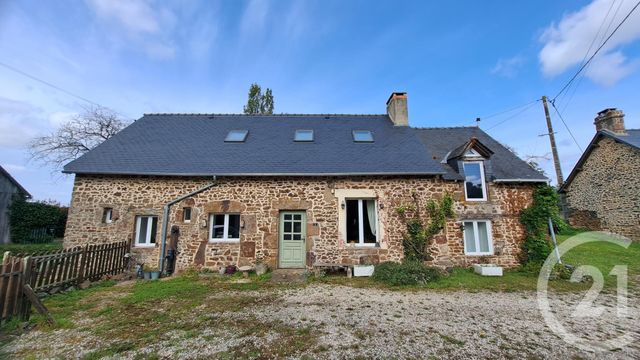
[221, 241]
[144, 246]
[479, 254]
[476, 200]
[364, 246]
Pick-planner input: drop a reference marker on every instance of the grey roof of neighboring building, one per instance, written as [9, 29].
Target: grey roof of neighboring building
[506, 166]
[14, 182]
[631, 138]
[193, 145]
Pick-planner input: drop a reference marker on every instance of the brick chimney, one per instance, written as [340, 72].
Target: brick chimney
[610, 119]
[397, 109]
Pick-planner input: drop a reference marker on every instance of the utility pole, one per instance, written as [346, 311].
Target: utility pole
[552, 140]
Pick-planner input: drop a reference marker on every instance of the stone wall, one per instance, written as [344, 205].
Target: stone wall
[259, 202]
[605, 194]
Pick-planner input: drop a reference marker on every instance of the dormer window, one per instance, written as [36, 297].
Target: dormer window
[236, 136]
[474, 182]
[362, 136]
[303, 136]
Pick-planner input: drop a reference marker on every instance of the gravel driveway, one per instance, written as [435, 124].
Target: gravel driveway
[349, 322]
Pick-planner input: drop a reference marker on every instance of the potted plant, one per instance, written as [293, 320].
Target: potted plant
[151, 273]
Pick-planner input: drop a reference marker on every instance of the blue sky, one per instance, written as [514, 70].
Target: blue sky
[457, 61]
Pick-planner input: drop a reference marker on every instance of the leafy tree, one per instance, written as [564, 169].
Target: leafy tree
[82, 133]
[26, 216]
[259, 103]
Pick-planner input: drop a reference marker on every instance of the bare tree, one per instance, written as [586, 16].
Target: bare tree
[75, 137]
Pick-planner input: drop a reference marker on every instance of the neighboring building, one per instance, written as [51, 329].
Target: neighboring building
[9, 189]
[298, 190]
[603, 190]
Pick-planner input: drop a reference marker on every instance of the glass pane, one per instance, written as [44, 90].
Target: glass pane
[234, 227]
[369, 221]
[352, 221]
[218, 227]
[154, 228]
[287, 226]
[304, 135]
[236, 136]
[187, 214]
[287, 216]
[297, 237]
[297, 217]
[473, 181]
[483, 234]
[297, 227]
[469, 238]
[142, 234]
[287, 236]
[362, 136]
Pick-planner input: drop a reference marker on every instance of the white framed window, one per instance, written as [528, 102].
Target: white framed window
[186, 215]
[362, 222]
[477, 237]
[107, 215]
[224, 228]
[146, 229]
[475, 188]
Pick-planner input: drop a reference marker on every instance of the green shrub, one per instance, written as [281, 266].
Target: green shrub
[26, 216]
[535, 220]
[405, 273]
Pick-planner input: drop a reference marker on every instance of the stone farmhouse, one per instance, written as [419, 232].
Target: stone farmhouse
[9, 190]
[603, 191]
[294, 191]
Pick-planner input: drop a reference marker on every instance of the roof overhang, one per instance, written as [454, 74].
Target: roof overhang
[255, 174]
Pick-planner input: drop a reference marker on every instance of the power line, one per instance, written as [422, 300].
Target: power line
[530, 105]
[595, 53]
[508, 110]
[32, 77]
[565, 125]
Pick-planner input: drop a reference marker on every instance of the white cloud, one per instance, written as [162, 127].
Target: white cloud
[508, 67]
[145, 24]
[14, 168]
[60, 117]
[254, 17]
[566, 43]
[18, 123]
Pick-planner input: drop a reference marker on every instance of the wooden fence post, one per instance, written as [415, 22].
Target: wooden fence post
[83, 262]
[27, 265]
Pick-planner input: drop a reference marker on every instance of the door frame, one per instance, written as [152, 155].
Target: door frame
[303, 260]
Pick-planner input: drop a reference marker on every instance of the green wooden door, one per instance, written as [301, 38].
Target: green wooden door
[292, 239]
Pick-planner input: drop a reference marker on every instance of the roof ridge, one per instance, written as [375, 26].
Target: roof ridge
[446, 127]
[255, 115]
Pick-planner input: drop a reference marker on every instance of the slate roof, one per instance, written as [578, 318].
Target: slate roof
[631, 138]
[506, 166]
[193, 145]
[15, 182]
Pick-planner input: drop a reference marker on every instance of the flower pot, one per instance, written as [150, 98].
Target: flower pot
[487, 269]
[147, 275]
[363, 270]
[155, 275]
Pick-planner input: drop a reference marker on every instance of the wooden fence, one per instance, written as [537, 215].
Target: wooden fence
[47, 270]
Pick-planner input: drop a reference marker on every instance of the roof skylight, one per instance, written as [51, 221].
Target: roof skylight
[236, 136]
[303, 136]
[362, 136]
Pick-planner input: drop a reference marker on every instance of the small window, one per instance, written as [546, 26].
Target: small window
[477, 238]
[224, 228]
[362, 222]
[236, 136]
[107, 215]
[146, 228]
[362, 136]
[474, 183]
[303, 136]
[186, 214]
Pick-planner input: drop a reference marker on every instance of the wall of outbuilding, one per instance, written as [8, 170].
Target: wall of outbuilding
[259, 200]
[605, 193]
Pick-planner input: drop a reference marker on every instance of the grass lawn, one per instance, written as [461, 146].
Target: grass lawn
[29, 248]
